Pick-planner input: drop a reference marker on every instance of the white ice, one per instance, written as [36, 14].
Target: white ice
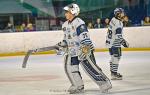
[45, 75]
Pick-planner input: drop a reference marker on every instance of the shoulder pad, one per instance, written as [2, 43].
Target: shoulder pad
[78, 22]
[82, 28]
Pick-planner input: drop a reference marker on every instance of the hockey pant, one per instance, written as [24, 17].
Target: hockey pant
[116, 54]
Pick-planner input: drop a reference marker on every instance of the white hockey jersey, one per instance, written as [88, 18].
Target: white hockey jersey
[114, 34]
[76, 34]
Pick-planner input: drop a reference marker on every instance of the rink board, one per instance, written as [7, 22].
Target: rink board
[137, 37]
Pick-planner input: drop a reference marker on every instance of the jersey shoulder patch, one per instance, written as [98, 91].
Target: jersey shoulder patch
[82, 28]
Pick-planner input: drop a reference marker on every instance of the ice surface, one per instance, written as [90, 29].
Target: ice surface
[45, 75]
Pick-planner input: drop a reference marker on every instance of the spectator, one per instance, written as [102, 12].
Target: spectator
[30, 27]
[146, 21]
[9, 27]
[90, 25]
[98, 23]
[126, 21]
[106, 22]
[23, 27]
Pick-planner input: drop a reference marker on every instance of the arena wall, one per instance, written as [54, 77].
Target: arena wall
[138, 37]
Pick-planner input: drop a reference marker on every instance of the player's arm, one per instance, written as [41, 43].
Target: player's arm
[110, 33]
[120, 37]
[62, 47]
[63, 43]
[85, 43]
[84, 37]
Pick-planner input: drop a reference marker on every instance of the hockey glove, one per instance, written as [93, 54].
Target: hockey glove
[83, 52]
[62, 44]
[62, 47]
[125, 43]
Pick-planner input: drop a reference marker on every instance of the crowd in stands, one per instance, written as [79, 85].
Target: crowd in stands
[146, 21]
[99, 23]
[103, 23]
[20, 28]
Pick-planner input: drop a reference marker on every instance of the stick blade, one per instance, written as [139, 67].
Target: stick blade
[26, 58]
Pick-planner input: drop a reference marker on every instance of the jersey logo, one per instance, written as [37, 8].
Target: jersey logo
[82, 28]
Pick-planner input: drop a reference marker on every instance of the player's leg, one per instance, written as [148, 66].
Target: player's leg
[72, 72]
[115, 53]
[95, 73]
[111, 52]
[111, 59]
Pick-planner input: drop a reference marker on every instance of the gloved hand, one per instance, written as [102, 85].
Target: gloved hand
[83, 52]
[62, 44]
[125, 43]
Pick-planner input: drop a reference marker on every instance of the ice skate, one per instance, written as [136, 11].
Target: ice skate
[105, 86]
[116, 76]
[74, 90]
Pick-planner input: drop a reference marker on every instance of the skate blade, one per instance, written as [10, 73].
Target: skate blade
[76, 92]
[116, 78]
[106, 90]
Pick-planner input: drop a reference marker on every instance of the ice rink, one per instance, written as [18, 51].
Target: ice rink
[45, 75]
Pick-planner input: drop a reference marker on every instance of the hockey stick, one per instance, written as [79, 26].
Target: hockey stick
[37, 50]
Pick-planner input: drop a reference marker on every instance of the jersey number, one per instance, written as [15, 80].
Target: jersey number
[109, 34]
[85, 35]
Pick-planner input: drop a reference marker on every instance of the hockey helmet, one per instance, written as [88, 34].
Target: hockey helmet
[73, 8]
[118, 11]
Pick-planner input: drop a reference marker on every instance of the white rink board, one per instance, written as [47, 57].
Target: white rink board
[138, 37]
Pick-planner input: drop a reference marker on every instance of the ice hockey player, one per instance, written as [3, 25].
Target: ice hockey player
[114, 40]
[79, 50]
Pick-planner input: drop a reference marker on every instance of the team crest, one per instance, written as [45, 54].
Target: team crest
[82, 28]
